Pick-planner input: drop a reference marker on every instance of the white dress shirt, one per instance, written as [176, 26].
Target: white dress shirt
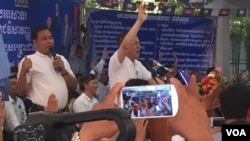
[19, 109]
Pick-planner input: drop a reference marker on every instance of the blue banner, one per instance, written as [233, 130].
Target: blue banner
[19, 17]
[192, 38]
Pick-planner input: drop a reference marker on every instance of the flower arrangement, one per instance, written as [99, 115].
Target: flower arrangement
[211, 80]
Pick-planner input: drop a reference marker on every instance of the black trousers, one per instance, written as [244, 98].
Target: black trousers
[7, 136]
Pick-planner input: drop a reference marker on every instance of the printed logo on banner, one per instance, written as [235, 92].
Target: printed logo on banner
[169, 10]
[224, 12]
[205, 12]
[151, 6]
[161, 5]
[22, 3]
[129, 6]
[188, 11]
[241, 12]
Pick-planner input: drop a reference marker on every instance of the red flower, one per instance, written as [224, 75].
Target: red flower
[217, 78]
[209, 82]
[205, 80]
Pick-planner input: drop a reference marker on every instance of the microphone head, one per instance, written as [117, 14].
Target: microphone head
[52, 51]
[157, 63]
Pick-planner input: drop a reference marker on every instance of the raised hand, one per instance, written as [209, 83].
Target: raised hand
[89, 129]
[142, 15]
[104, 53]
[185, 122]
[175, 57]
[160, 55]
[141, 126]
[93, 63]
[26, 65]
[57, 9]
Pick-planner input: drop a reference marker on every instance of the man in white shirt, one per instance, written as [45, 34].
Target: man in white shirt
[16, 102]
[123, 64]
[44, 73]
[10, 121]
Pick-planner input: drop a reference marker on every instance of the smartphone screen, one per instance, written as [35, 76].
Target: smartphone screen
[151, 101]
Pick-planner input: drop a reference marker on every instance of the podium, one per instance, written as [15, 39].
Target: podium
[43, 126]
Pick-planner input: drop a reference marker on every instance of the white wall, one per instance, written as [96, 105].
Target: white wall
[223, 51]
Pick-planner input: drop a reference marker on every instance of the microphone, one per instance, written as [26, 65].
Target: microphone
[52, 51]
[156, 63]
[149, 67]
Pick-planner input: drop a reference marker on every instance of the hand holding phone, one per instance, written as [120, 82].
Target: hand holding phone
[182, 77]
[150, 101]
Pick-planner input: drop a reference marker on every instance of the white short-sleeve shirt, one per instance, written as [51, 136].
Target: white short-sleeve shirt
[45, 80]
[19, 109]
[10, 120]
[83, 103]
[122, 72]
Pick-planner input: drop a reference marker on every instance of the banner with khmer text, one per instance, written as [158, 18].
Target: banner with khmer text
[192, 38]
[19, 17]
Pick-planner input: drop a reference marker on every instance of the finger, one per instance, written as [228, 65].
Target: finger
[144, 7]
[192, 87]
[114, 91]
[2, 105]
[145, 123]
[56, 106]
[53, 96]
[140, 122]
[180, 89]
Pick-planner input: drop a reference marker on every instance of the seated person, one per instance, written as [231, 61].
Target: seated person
[88, 84]
[188, 104]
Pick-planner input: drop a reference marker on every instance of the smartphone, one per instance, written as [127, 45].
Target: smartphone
[217, 121]
[150, 101]
[182, 77]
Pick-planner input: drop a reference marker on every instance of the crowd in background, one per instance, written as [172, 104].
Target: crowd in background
[64, 83]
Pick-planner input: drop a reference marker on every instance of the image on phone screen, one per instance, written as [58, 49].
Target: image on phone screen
[150, 101]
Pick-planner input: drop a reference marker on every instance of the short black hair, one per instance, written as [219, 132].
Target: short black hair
[35, 31]
[234, 101]
[136, 82]
[12, 76]
[121, 37]
[85, 79]
[14, 69]
[78, 75]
